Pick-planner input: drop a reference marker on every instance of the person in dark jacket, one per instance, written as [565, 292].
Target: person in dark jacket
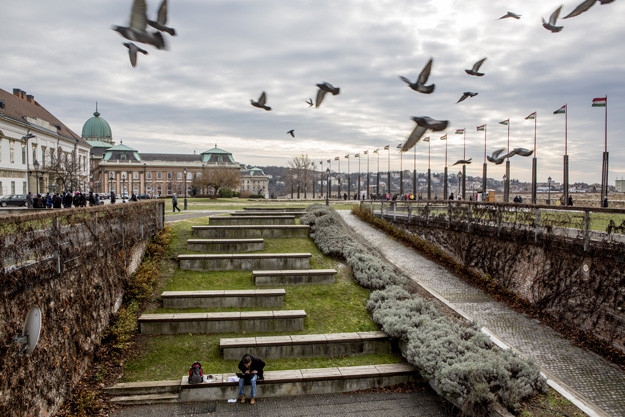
[67, 200]
[252, 369]
[113, 197]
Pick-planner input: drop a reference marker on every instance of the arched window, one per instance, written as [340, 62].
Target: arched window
[180, 175]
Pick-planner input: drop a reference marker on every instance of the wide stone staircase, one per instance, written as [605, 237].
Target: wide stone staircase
[228, 238]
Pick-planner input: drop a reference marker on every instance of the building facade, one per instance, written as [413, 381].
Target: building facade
[38, 153]
[254, 182]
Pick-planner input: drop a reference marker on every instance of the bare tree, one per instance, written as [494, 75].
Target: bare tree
[63, 169]
[216, 178]
[300, 165]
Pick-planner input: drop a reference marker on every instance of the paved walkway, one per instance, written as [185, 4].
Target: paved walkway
[595, 380]
[421, 403]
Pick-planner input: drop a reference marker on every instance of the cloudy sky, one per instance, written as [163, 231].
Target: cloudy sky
[197, 93]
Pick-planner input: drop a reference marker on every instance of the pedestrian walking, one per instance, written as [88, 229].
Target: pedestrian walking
[29, 200]
[174, 202]
[113, 197]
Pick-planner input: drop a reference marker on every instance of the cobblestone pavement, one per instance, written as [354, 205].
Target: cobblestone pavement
[420, 403]
[595, 379]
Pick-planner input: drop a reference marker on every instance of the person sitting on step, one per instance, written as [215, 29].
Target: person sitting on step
[251, 370]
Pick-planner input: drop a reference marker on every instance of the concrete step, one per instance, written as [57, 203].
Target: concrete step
[228, 298]
[251, 220]
[296, 214]
[307, 345]
[283, 383]
[244, 262]
[251, 231]
[225, 245]
[226, 322]
[302, 382]
[144, 388]
[294, 277]
[144, 399]
[274, 209]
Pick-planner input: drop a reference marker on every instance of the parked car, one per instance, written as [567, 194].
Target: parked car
[104, 196]
[144, 197]
[13, 200]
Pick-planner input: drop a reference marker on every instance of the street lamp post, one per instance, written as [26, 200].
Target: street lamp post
[549, 191]
[328, 185]
[184, 170]
[36, 166]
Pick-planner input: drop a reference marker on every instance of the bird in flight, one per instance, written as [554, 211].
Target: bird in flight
[423, 124]
[261, 102]
[551, 25]
[135, 31]
[291, 132]
[324, 88]
[585, 5]
[495, 158]
[310, 102]
[510, 14]
[419, 85]
[465, 95]
[161, 20]
[462, 161]
[520, 152]
[476, 68]
[132, 52]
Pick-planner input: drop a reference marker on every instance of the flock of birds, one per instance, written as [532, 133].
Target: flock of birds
[137, 31]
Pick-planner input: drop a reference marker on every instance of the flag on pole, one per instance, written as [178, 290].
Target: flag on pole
[505, 122]
[459, 131]
[386, 147]
[481, 128]
[336, 158]
[426, 139]
[365, 152]
[531, 116]
[347, 156]
[357, 156]
[444, 137]
[376, 151]
[399, 146]
[599, 102]
[561, 110]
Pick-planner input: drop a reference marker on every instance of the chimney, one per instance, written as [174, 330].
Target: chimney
[23, 95]
[17, 92]
[30, 98]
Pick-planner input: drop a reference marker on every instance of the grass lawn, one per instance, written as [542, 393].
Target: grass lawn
[335, 308]
[231, 204]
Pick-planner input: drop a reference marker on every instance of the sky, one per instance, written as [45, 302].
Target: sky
[197, 93]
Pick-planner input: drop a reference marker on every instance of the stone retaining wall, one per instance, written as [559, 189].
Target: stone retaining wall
[253, 231]
[242, 262]
[251, 220]
[226, 245]
[223, 299]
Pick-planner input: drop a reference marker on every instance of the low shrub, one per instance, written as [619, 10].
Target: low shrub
[461, 361]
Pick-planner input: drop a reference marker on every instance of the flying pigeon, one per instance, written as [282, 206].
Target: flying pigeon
[495, 158]
[291, 132]
[462, 161]
[585, 5]
[136, 30]
[423, 123]
[476, 67]
[465, 95]
[309, 102]
[510, 14]
[161, 20]
[132, 52]
[551, 25]
[520, 152]
[323, 89]
[261, 102]
[419, 85]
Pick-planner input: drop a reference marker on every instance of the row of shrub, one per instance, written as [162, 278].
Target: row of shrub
[460, 361]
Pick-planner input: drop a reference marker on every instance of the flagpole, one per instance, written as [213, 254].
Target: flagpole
[506, 194]
[329, 195]
[339, 178]
[358, 154]
[321, 163]
[484, 169]
[429, 170]
[604, 180]
[566, 155]
[401, 174]
[534, 162]
[377, 178]
[464, 166]
[368, 192]
[414, 174]
[389, 170]
[349, 180]
[445, 178]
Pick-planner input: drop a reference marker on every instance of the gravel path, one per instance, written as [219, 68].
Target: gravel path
[596, 381]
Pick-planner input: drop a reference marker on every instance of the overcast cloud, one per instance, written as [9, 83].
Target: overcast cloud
[197, 93]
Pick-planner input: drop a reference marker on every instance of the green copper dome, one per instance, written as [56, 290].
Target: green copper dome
[97, 128]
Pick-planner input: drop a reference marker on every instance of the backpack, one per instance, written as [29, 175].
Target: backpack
[196, 376]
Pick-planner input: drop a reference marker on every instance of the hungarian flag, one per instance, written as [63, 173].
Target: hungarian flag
[386, 147]
[426, 139]
[504, 122]
[399, 146]
[531, 116]
[599, 102]
[336, 158]
[357, 156]
[366, 152]
[376, 151]
[561, 110]
[444, 137]
[459, 131]
[481, 128]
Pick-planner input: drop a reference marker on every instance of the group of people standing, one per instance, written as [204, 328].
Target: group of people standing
[68, 199]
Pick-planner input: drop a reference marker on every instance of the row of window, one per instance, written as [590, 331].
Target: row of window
[12, 188]
[151, 190]
[51, 154]
[159, 175]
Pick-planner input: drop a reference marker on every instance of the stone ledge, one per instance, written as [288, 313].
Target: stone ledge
[252, 231]
[244, 262]
[294, 277]
[210, 256]
[276, 219]
[295, 272]
[223, 298]
[223, 293]
[226, 245]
